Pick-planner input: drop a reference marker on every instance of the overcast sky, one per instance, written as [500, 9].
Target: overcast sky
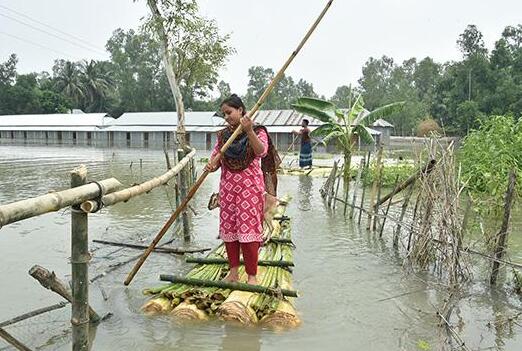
[264, 32]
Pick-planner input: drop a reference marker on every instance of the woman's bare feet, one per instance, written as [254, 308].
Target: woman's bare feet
[232, 275]
[252, 280]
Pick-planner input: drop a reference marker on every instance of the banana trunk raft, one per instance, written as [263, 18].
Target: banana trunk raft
[201, 294]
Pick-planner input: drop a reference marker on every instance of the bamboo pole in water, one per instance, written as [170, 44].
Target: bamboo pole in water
[337, 187]
[227, 285]
[183, 188]
[13, 341]
[272, 263]
[33, 313]
[52, 202]
[501, 240]
[417, 202]
[373, 192]
[387, 209]
[404, 207]
[80, 258]
[158, 249]
[357, 183]
[362, 204]
[236, 133]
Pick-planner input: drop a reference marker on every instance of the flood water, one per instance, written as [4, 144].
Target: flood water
[355, 291]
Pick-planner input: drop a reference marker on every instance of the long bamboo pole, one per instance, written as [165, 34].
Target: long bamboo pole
[236, 133]
[227, 285]
[36, 206]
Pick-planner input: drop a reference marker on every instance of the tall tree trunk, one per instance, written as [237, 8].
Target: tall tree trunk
[171, 76]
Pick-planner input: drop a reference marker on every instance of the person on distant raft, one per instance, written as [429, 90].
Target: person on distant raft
[248, 173]
[305, 154]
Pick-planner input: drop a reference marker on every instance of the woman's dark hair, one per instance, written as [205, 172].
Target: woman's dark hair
[235, 102]
[306, 121]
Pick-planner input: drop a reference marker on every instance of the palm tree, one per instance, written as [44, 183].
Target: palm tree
[97, 81]
[68, 82]
[343, 125]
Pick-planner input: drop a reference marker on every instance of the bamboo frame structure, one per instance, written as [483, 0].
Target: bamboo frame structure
[52, 202]
[237, 132]
[128, 193]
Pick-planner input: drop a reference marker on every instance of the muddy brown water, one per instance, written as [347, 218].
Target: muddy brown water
[356, 293]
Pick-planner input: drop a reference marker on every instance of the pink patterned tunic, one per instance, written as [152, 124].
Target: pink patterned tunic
[241, 199]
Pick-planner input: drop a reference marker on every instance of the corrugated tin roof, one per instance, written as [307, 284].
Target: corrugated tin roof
[55, 120]
[166, 119]
[382, 123]
[51, 128]
[283, 118]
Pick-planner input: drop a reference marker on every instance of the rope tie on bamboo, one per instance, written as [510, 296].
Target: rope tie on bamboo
[76, 322]
[98, 199]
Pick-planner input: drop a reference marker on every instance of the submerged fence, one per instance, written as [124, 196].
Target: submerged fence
[83, 198]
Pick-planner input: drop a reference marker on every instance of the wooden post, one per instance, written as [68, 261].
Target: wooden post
[80, 258]
[404, 207]
[376, 207]
[417, 201]
[337, 187]
[501, 240]
[362, 204]
[331, 186]
[387, 210]
[357, 182]
[374, 186]
[183, 190]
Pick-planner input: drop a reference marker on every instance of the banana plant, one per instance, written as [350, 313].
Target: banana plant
[344, 125]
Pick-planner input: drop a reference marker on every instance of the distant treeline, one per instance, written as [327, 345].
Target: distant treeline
[457, 95]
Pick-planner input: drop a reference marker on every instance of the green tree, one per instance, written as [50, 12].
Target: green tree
[68, 81]
[342, 97]
[8, 70]
[98, 83]
[284, 94]
[470, 42]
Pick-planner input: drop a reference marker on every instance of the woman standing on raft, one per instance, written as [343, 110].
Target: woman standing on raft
[245, 168]
[305, 154]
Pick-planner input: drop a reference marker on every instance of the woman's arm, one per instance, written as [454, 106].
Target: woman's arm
[214, 163]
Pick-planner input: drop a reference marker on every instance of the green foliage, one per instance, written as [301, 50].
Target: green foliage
[489, 153]
[457, 94]
[389, 174]
[285, 93]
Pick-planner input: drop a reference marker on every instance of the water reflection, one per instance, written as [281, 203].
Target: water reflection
[304, 192]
